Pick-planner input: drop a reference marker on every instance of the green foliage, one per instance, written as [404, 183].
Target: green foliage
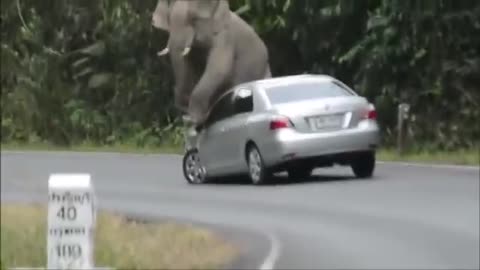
[427, 56]
[75, 71]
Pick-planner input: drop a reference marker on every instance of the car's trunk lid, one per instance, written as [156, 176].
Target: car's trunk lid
[325, 114]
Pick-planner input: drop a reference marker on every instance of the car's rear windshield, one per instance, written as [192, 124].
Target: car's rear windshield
[305, 90]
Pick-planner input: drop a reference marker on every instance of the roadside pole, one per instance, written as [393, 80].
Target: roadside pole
[71, 222]
[402, 121]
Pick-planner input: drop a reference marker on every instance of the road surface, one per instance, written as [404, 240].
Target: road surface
[405, 217]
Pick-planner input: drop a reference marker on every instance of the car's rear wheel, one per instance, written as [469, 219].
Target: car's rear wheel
[258, 173]
[363, 165]
[193, 170]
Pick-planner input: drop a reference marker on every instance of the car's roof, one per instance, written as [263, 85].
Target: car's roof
[276, 81]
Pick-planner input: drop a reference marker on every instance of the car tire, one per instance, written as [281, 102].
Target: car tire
[258, 173]
[364, 165]
[193, 171]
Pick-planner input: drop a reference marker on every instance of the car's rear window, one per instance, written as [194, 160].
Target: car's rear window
[305, 91]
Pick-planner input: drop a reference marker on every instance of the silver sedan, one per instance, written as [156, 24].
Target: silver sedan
[293, 123]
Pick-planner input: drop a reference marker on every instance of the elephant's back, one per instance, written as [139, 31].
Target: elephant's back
[251, 53]
[245, 34]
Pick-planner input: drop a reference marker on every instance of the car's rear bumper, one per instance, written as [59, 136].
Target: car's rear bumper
[288, 145]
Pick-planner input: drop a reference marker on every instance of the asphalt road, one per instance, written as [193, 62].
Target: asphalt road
[405, 217]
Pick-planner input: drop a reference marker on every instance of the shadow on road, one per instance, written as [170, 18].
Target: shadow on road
[283, 179]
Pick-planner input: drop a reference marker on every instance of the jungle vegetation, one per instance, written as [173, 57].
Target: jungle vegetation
[75, 71]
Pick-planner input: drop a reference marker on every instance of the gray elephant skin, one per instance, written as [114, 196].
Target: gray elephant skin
[211, 50]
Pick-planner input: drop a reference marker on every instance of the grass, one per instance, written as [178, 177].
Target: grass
[459, 157]
[119, 243]
[90, 147]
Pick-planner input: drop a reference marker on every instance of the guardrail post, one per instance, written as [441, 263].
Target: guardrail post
[402, 121]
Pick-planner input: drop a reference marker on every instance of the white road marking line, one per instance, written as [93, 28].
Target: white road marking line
[273, 254]
[426, 165]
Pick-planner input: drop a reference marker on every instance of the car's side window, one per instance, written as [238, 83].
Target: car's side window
[221, 110]
[243, 101]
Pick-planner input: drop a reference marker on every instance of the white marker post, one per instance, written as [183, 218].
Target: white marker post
[71, 222]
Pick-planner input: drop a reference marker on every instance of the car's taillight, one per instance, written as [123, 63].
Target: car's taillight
[279, 123]
[370, 112]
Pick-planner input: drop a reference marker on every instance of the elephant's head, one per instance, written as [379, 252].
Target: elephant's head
[211, 49]
[192, 26]
[190, 23]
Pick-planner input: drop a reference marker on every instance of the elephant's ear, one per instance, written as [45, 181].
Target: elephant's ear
[160, 15]
[216, 10]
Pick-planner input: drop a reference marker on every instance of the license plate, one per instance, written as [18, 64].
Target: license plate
[326, 122]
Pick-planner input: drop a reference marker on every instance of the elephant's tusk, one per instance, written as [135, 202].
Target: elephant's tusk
[163, 52]
[186, 51]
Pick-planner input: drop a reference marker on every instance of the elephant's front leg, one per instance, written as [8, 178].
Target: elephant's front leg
[217, 73]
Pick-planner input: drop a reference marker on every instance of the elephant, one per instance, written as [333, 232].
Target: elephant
[211, 50]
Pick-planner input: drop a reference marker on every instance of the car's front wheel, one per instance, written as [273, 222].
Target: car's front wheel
[257, 171]
[363, 165]
[193, 170]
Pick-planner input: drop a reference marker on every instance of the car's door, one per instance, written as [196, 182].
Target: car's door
[235, 129]
[214, 143]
